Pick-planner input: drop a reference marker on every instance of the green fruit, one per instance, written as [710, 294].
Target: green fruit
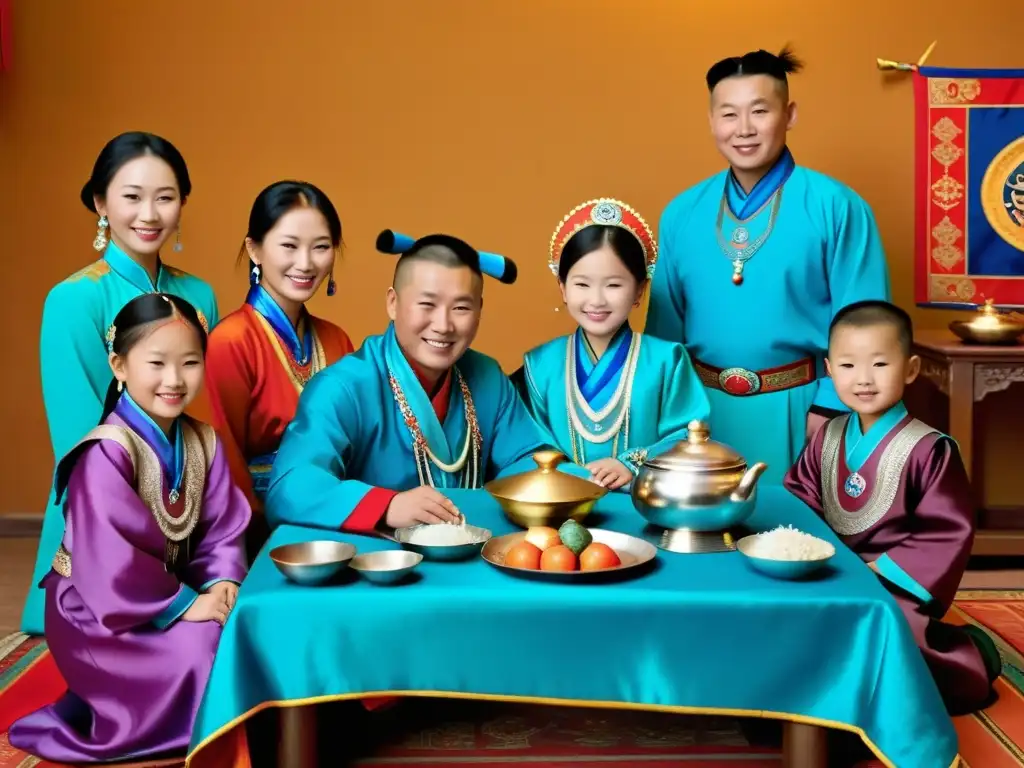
[574, 536]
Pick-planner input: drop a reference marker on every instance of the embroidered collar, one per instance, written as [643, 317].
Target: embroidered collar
[169, 450]
[860, 445]
[595, 375]
[131, 270]
[262, 302]
[417, 398]
[744, 205]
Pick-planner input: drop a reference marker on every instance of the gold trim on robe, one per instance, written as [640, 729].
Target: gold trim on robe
[887, 476]
[200, 442]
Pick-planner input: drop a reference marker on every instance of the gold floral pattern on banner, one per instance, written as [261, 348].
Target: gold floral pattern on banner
[947, 288]
[947, 192]
[947, 234]
[943, 91]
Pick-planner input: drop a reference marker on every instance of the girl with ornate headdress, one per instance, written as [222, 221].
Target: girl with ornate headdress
[607, 396]
[138, 188]
[151, 557]
[263, 354]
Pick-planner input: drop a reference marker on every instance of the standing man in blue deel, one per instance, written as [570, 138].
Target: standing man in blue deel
[755, 262]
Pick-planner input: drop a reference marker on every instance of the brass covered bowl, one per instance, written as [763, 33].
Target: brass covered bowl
[697, 485]
[545, 496]
[989, 326]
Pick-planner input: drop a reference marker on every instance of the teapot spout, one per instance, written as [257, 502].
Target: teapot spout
[746, 486]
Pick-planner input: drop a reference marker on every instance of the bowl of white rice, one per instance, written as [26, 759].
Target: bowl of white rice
[443, 541]
[785, 552]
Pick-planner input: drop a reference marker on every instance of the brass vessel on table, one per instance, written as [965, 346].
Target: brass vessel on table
[990, 326]
[545, 496]
[697, 485]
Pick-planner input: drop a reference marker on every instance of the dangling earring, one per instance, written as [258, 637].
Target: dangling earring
[178, 247]
[120, 386]
[255, 279]
[101, 234]
[332, 287]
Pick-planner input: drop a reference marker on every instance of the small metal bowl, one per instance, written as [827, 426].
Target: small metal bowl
[388, 566]
[789, 570]
[311, 563]
[443, 552]
[973, 332]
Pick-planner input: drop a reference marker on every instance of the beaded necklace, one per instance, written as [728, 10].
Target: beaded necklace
[619, 405]
[424, 456]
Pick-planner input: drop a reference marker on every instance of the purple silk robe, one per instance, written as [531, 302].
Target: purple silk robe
[135, 670]
[926, 531]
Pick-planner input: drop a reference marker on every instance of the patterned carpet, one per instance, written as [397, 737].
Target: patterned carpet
[472, 735]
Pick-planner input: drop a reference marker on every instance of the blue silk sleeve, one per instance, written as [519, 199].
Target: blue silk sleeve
[525, 434]
[888, 568]
[515, 437]
[182, 602]
[683, 399]
[308, 485]
[537, 405]
[666, 307]
[73, 363]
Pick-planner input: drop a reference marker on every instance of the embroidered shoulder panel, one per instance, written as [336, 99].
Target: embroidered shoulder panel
[208, 438]
[891, 466]
[149, 481]
[200, 447]
[94, 272]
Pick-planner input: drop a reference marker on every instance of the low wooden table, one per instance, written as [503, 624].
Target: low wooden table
[803, 746]
[966, 373]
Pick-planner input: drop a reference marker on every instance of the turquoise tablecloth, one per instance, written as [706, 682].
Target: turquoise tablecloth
[700, 633]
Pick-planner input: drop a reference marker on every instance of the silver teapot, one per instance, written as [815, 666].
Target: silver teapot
[697, 485]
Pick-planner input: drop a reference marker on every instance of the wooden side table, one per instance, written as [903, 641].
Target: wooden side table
[966, 373]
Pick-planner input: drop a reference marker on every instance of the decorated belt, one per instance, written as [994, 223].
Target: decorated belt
[742, 382]
[260, 468]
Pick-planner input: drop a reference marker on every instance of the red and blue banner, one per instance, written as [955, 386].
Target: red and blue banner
[970, 187]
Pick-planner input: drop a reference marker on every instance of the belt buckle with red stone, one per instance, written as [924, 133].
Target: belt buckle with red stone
[739, 381]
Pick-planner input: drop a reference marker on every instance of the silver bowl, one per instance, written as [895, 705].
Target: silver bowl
[311, 563]
[443, 552]
[388, 566]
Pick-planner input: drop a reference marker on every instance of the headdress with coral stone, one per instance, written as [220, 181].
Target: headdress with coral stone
[607, 212]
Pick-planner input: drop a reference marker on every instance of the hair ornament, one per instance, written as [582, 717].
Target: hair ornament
[495, 265]
[607, 212]
[111, 335]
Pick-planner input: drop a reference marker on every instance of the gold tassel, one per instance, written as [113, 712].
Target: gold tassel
[887, 65]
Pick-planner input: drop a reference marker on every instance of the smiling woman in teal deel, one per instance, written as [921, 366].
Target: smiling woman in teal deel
[137, 189]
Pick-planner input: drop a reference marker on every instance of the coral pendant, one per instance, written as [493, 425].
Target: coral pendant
[737, 278]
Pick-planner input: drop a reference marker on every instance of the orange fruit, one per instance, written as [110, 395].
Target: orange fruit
[523, 555]
[558, 558]
[598, 556]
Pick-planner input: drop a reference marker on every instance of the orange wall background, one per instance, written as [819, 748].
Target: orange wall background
[489, 120]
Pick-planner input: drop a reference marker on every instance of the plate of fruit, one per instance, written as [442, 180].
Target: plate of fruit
[568, 553]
